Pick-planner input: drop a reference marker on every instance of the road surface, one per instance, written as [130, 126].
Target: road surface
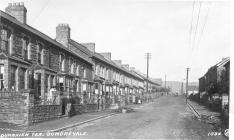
[166, 118]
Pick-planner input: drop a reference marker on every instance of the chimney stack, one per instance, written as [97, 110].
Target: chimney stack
[90, 46]
[63, 34]
[106, 55]
[132, 68]
[118, 62]
[17, 10]
[126, 66]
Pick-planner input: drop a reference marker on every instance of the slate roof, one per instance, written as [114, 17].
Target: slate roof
[223, 62]
[38, 33]
[74, 43]
[80, 47]
[145, 77]
[101, 58]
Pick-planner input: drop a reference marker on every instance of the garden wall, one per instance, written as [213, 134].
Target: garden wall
[40, 113]
[14, 107]
[78, 108]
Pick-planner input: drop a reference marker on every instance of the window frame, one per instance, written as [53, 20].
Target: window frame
[78, 70]
[4, 38]
[62, 61]
[13, 77]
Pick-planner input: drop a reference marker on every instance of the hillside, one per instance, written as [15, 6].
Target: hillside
[176, 85]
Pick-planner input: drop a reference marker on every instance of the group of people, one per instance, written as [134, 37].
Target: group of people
[51, 97]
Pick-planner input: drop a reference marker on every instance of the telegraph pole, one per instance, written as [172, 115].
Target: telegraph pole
[187, 85]
[148, 56]
[166, 83]
[182, 90]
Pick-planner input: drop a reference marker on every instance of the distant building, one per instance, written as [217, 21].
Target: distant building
[158, 81]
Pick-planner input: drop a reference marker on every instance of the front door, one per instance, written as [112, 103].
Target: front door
[64, 104]
[38, 86]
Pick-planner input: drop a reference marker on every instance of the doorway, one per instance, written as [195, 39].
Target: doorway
[38, 80]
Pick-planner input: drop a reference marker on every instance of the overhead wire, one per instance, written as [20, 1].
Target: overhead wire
[42, 9]
[197, 24]
[204, 24]
[191, 25]
[198, 35]
[196, 43]
[193, 42]
[191, 32]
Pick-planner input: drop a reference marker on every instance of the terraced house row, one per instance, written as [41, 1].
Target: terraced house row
[40, 75]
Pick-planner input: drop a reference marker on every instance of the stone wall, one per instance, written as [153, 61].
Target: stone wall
[78, 108]
[14, 107]
[40, 113]
[91, 107]
[18, 108]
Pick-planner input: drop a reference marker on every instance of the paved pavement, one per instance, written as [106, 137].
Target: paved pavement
[166, 118]
[57, 124]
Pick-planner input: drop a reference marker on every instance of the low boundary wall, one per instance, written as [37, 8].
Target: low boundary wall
[79, 108]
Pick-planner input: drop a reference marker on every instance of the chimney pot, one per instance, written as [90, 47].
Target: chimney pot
[63, 33]
[18, 11]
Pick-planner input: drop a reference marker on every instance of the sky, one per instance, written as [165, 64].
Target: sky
[130, 28]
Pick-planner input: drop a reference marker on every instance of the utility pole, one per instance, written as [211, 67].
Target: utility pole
[166, 83]
[187, 85]
[148, 56]
[182, 86]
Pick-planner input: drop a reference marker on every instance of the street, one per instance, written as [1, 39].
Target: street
[166, 118]
[115, 69]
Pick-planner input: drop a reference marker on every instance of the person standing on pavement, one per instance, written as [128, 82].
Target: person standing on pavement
[69, 106]
[50, 96]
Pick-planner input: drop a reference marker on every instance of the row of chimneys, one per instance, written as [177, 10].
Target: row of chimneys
[19, 11]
